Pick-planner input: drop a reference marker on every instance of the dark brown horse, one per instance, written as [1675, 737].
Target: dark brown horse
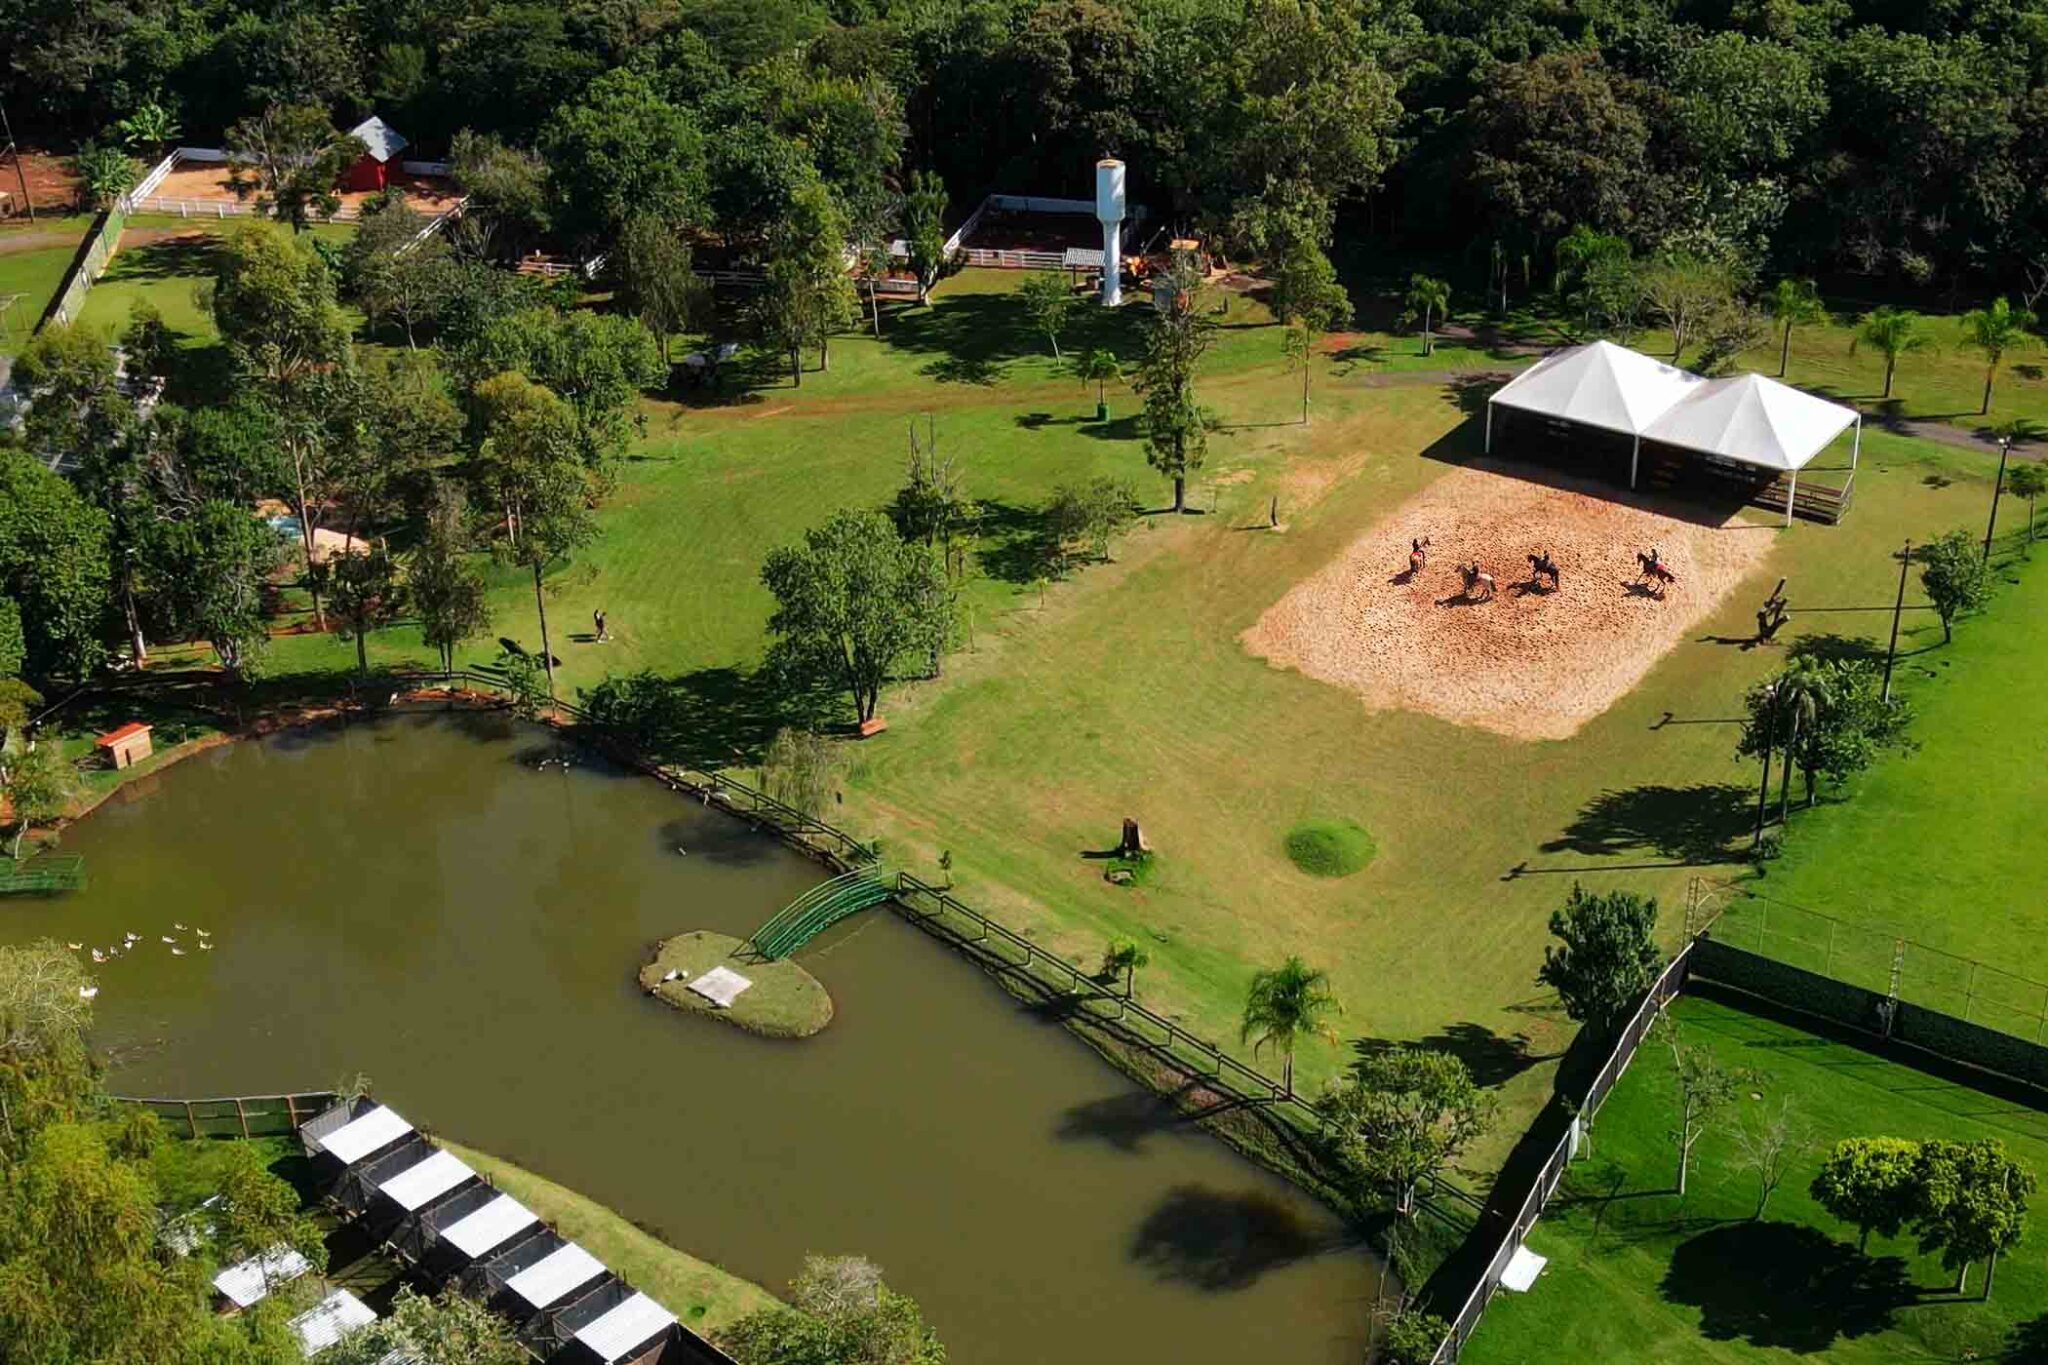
[1418, 556]
[1543, 566]
[1652, 566]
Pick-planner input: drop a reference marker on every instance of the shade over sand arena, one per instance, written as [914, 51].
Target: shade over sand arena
[1532, 663]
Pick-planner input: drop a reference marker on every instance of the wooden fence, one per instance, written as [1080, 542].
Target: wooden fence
[236, 1116]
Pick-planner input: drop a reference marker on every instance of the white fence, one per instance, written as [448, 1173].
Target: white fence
[149, 182]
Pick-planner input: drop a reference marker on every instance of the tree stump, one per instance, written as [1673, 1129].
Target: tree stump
[1133, 844]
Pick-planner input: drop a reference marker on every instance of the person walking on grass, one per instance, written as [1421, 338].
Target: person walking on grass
[599, 620]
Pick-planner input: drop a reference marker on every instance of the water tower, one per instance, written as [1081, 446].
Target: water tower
[1109, 207]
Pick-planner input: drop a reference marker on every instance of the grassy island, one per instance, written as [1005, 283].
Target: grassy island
[785, 1001]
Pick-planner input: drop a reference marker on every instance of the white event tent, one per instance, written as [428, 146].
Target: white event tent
[1745, 418]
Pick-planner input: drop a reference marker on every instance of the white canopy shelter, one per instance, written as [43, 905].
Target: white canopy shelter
[490, 1226]
[352, 1142]
[427, 1180]
[555, 1274]
[1746, 418]
[633, 1323]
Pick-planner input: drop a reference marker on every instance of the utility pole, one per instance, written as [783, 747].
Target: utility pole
[1763, 791]
[1997, 487]
[21, 177]
[1898, 607]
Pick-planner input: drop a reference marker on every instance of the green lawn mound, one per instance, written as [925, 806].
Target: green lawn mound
[1330, 848]
[785, 1001]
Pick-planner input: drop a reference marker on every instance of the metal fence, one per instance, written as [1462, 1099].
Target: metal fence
[1551, 1174]
[236, 1116]
[94, 252]
[1885, 962]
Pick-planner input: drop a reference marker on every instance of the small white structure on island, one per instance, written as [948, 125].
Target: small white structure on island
[1109, 210]
[721, 986]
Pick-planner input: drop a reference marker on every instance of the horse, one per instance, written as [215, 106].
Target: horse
[1543, 566]
[1478, 583]
[1652, 568]
[1418, 556]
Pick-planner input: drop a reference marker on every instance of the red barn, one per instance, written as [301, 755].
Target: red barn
[372, 170]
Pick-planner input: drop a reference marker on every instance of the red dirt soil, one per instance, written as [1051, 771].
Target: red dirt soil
[1530, 663]
[198, 184]
[50, 182]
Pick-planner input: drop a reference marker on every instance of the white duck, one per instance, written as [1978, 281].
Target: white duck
[88, 992]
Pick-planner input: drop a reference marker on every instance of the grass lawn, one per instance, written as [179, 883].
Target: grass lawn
[1943, 845]
[1637, 1274]
[33, 259]
[703, 1296]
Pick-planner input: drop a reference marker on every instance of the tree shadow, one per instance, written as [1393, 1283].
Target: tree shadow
[1121, 1121]
[711, 718]
[1018, 545]
[1832, 648]
[1492, 1058]
[1784, 1285]
[1696, 824]
[728, 843]
[1222, 1240]
[2028, 1344]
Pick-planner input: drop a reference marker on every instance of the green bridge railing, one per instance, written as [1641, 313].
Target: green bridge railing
[42, 875]
[817, 910]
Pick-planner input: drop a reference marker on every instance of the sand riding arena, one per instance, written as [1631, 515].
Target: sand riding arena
[1533, 661]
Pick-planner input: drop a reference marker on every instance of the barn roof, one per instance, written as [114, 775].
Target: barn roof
[383, 141]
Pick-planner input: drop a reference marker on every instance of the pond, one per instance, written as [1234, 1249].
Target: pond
[414, 897]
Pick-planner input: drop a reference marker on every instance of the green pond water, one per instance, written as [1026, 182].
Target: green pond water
[412, 898]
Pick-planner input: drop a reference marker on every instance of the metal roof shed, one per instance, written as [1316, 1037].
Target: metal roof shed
[626, 1331]
[250, 1282]
[479, 1233]
[364, 1137]
[422, 1183]
[327, 1322]
[549, 1279]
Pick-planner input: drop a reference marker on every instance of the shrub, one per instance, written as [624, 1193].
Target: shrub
[1330, 848]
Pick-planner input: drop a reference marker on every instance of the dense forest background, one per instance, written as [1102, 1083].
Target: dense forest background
[1904, 140]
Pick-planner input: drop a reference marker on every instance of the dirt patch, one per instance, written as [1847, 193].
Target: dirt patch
[51, 184]
[202, 188]
[1531, 663]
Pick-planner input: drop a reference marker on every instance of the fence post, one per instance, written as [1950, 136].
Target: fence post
[242, 1116]
[191, 1123]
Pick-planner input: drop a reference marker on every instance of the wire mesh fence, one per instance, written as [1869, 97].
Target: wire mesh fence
[1887, 963]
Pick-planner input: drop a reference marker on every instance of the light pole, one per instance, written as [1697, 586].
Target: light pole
[20, 176]
[1891, 651]
[1997, 487]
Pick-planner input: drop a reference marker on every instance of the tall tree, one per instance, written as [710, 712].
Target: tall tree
[2028, 479]
[1955, 578]
[212, 564]
[621, 149]
[1285, 1005]
[1176, 428]
[40, 784]
[1793, 303]
[1308, 299]
[447, 588]
[391, 270]
[1427, 300]
[924, 230]
[807, 296]
[367, 593]
[839, 1311]
[1994, 333]
[53, 567]
[1704, 1088]
[289, 158]
[1607, 957]
[1872, 1183]
[529, 465]
[1402, 1114]
[1049, 302]
[1891, 332]
[448, 1328]
[1684, 289]
[1973, 1205]
[852, 601]
[652, 269]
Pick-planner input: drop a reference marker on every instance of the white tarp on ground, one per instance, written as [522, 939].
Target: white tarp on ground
[721, 986]
[492, 1225]
[1745, 417]
[1523, 1268]
[426, 1181]
[1599, 385]
[555, 1274]
[1755, 420]
[631, 1324]
[353, 1141]
[251, 1281]
[329, 1321]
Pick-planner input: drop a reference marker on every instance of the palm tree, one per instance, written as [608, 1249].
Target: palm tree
[1427, 299]
[1994, 331]
[1802, 694]
[1122, 958]
[1793, 303]
[1891, 332]
[1098, 367]
[1285, 1005]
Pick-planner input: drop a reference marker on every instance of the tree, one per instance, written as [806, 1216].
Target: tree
[798, 769]
[1891, 332]
[396, 274]
[508, 193]
[1972, 1205]
[1402, 1114]
[851, 601]
[932, 506]
[1285, 1005]
[1955, 577]
[1793, 303]
[212, 565]
[840, 1313]
[1176, 430]
[40, 784]
[1870, 1182]
[530, 466]
[873, 264]
[1831, 718]
[104, 172]
[1560, 139]
[596, 362]
[652, 268]
[448, 1328]
[254, 1212]
[53, 567]
[2028, 479]
[289, 159]
[1310, 301]
[149, 131]
[1100, 367]
[621, 149]
[1705, 1090]
[148, 347]
[1609, 957]
[1993, 332]
[1684, 290]
[1413, 1337]
[1049, 302]
[1767, 1141]
[447, 588]
[1427, 299]
[807, 295]
[1122, 958]
[924, 230]
[366, 592]
[1086, 519]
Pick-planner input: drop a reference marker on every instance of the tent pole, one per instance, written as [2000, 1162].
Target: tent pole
[1635, 456]
[1790, 494]
[1489, 426]
[1856, 446]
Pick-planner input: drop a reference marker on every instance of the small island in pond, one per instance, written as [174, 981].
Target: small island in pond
[779, 1000]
